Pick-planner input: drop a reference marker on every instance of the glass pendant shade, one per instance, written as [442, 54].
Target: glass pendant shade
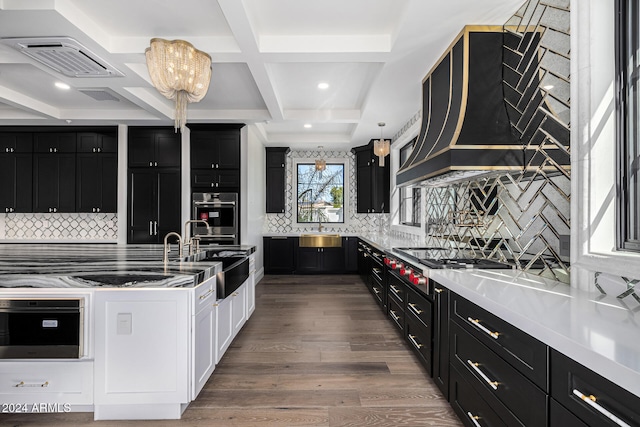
[179, 71]
[321, 165]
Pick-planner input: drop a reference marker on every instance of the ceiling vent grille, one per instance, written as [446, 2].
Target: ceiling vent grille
[64, 55]
[100, 94]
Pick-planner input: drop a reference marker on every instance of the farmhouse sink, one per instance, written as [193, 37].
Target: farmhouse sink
[320, 241]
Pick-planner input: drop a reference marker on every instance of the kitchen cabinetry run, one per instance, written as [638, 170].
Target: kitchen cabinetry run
[97, 172]
[276, 178]
[215, 157]
[154, 148]
[154, 204]
[580, 396]
[16, 172]
[54, 176]
[372, 181]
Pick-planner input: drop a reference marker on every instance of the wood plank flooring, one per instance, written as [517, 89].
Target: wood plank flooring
[317, 351]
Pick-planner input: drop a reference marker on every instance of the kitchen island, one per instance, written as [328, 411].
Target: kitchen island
[149, 333]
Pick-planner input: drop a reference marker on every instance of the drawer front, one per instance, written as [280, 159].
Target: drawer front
[559, 416]
[419, 338]
[525, 353]
[376, 289]
[205, 294]
[46, 382]
[420, 307]
[472, 409]
[396, 289]
[494, 378]
[573, 385]
[396, 314]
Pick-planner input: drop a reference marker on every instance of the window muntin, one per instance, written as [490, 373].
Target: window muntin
[320, 194]
[628, 124]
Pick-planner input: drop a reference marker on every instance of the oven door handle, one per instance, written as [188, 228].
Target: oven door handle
[213, 204]
[227, 236]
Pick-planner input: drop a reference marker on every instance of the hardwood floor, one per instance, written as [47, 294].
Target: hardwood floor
[317, 351]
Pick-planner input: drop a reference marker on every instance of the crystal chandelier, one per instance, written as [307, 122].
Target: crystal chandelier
[381, 146]
[179, 71]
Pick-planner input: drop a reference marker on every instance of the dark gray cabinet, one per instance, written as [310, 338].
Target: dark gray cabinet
[280, 254]
[97, 172]
[153, 205]
[16, 172]
[372, 181]
[154, 147]
[276, 178]
[320, 260]
[54, 176]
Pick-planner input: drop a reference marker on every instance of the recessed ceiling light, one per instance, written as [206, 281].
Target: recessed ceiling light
[323, 85]
[61, 85]
[307, 125]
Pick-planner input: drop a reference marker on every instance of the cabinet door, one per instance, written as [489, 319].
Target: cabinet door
[143, 206]
[363, 192]
[228, 144]
[228, 180]
[275, 185]
[88, 182]
[54, 142]
[167, 149]
[141, 148]
[224, 325]
[109, 182]
[16, 189]
[54, 182]
[16, 142]
[441, 338]
[332, 260]
[168, 203]
[279, 254]
[309, 260]
[350, 245]
[381, 186]
[239, 308]
[204, 353]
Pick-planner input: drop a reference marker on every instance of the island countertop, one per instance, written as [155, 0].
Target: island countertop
[99, 265]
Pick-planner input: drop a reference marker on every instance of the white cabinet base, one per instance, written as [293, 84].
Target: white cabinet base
[164, 411]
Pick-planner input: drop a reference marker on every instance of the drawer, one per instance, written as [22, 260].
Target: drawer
[396, 288]
[570, 380]
[205, 294]
[47, 382]
[494, 378]
[472, 409]
[420, 307]
[559, 416]
[377, 289]
[419, 338]
[521, 350]
[396, 313]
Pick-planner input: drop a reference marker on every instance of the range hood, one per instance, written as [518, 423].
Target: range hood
[465, 129]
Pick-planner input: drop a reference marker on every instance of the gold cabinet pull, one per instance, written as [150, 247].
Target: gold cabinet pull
[475, 366]
[477, 324]
[591, 401]
[412, 338]
[474, 419]
[415, 310]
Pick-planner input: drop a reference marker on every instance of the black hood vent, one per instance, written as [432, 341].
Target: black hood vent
[465, 129]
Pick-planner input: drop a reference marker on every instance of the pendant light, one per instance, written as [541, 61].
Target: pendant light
[321, 164]
[381, 146]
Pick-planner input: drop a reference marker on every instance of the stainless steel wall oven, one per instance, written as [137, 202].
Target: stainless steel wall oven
[220, 210]
[45, 328]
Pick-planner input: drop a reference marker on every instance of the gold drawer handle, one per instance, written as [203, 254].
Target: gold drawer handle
[438, 290]
[23, 384]
[475, 366]
[203, 296]
[415, 310]
[412, 338]
[591, 401]
[394, 315]
[477, 324]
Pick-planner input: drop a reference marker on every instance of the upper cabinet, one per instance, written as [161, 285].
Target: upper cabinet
[154, 147]
[97, 172]
[16, 172]
[276, 178]
[54, 172]
[215, 157]
[372, 181]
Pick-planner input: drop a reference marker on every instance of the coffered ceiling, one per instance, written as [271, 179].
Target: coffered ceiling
[268, 58]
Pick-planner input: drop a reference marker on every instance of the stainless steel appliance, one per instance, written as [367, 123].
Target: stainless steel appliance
[449, 258]
[220, 210]
[41, 328]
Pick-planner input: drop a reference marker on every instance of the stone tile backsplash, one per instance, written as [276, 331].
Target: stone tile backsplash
[59, 226]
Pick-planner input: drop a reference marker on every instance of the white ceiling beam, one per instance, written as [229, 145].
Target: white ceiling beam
[336, 116]
[26, 103]
[210, 44]
[325, 44]
[307, 138]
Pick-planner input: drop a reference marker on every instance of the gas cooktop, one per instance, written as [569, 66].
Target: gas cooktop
[449, 258]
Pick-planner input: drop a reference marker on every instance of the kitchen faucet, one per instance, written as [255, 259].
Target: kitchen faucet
[167, 246]
[193, 239]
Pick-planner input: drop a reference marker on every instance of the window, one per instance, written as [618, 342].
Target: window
[320, 193]
[410, 199]
[628, 124]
